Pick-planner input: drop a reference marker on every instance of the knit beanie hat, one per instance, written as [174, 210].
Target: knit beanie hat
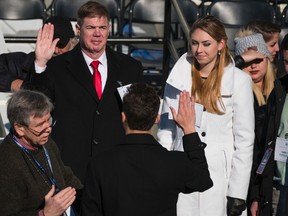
[254, 40]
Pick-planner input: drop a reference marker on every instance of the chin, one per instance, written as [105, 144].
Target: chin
[43, 141]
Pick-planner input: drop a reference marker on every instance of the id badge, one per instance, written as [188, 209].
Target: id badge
[281, 150]
[264, 161]
[122, 90]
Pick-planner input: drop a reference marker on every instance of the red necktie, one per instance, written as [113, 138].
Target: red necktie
[97, 78]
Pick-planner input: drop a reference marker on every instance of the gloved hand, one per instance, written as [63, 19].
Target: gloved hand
[235, 206]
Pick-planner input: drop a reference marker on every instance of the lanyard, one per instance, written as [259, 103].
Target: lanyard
[52, 179]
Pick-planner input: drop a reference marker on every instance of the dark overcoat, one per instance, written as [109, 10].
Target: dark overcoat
[85, 125]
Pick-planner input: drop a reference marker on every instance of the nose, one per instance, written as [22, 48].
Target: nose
[49, 129]
[97, 32]
[253, 65]
[199, 48]
[277, 47]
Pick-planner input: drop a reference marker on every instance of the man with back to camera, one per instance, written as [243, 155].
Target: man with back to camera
[88, 122]
[139, 176]
[15, 66]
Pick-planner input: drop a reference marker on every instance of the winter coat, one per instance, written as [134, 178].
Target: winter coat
[274, 111]
[229, 139]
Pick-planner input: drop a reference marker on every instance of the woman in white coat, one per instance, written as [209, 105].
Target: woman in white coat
[226, 123]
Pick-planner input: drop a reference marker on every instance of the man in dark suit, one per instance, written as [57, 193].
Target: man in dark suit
[139, 176]
[86, 123]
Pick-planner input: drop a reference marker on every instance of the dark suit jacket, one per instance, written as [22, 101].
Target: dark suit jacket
[140, 177]
[85, 126]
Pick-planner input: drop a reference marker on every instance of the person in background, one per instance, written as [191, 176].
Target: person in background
[263, 76]
[82, 83]
[271, 33]
[16, 66]
[284, 52]
[226, 119]
[34, 180]
[273, 167]
[139, 176]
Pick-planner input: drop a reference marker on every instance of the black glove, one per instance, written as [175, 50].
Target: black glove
[235, 206]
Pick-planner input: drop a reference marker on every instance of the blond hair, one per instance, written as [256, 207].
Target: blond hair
[267, 86]
[208, 93]
[268, 79]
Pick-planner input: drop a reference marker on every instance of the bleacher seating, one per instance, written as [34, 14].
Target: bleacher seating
[22, 9]
[233, 13]
[68, 8]
[147, 20]
[21, 19]
[237, 13]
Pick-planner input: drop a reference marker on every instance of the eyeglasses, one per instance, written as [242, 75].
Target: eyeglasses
[52, 122]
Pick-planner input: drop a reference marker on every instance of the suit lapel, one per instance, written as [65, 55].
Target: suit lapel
[112, 77]
[80, 71]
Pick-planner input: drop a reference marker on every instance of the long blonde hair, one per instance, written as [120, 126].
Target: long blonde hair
[208, 93]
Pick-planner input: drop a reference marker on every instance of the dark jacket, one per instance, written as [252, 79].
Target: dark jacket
[85, 126]
[23, 186]
[258, 151]
[140, 177]
[274, 111]
[279, 64]
[16, 65]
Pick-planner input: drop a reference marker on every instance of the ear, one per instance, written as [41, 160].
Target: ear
[221, 44]
[123, 117]
[109, 29]
[19, 129]
[157, 119]
[77, 29]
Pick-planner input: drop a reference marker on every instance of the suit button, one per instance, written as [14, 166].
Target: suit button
[203, 134]
[97, 112]
[95, 142]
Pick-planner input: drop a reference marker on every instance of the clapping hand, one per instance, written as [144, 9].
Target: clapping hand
[57, 204]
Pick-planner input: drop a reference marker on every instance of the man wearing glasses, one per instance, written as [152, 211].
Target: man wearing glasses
[34, 180]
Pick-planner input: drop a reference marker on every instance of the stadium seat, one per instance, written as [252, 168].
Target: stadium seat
[235, 14]
[147, 20]
[22, 9]
[20, 21]
[68, 9]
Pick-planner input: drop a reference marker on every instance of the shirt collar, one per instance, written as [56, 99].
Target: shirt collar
[102, 58]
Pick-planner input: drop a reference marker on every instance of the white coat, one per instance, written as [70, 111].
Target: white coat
[229, 138]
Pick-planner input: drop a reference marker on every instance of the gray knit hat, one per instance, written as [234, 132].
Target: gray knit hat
[254, 40]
